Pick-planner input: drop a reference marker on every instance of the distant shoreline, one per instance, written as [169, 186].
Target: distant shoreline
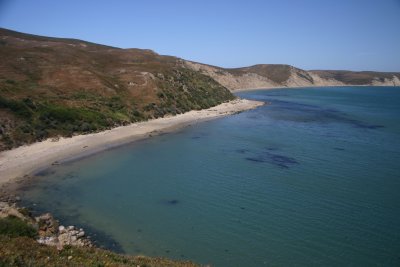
[26, 160]
[309, 86]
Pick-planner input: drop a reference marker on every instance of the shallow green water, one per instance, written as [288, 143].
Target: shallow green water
[313, 179]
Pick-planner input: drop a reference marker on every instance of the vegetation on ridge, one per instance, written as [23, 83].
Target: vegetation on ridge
[53, 87]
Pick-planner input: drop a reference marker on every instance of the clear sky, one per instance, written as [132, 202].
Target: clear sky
[310, 34]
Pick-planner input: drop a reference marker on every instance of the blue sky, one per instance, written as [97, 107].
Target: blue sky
[310, 34]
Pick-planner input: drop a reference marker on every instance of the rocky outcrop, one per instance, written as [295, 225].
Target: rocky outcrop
[49, 231]
[12, 210]
[394, 81]
[66, 236]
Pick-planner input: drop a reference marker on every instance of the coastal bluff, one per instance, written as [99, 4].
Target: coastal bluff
[264, 76]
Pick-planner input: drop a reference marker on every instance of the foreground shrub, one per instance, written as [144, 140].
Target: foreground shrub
[14, 227]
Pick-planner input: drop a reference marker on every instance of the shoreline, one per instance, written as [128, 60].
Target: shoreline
[26, 160]
[309, 86]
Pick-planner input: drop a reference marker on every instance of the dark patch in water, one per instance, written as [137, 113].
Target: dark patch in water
[68, 176]
[272, 148]
[44, 172]
[199, 135]
[171, 202]
[55, 188]
[103, 240]
[162, 133]
[242, 151]
[281, 159]
[311, 113]
[339, 148]
[367, 126]
[277, 94]
[253, 116]
[275, 159]
[257, 159]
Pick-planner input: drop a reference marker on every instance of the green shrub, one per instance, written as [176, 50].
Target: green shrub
[9, 81]
[13, 227]
[62, 114]
[17, 107]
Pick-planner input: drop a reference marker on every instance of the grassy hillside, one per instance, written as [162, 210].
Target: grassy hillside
[58, 87]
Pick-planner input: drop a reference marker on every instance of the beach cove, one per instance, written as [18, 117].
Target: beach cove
[26, 160]
[310, 179]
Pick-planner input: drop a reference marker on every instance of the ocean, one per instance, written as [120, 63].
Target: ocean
[310, 179]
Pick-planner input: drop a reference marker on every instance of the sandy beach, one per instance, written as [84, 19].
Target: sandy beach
[25, 160]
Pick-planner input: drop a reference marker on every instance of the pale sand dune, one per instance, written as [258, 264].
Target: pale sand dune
[27, 159]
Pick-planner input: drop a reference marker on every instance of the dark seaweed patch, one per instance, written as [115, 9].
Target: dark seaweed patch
[199, 135]
[282, 159]
[361, 125]
[253, 116]
[311, 113]
[274, 159]
[171, 202]
[68, 176]
[242, 151]
[55, 188]
[44, 172]
[256, 159]
[339, 148]
[103, 240]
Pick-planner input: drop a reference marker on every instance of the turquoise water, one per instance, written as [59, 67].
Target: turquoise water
[312, 179]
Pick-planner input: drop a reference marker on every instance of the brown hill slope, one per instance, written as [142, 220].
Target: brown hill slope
[54, 86]
[278, 75]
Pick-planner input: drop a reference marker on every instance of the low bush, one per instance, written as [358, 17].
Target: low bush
[14, 227]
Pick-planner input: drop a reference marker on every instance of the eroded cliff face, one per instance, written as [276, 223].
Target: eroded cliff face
[231, 81]
[395, 81]
[276, 76]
